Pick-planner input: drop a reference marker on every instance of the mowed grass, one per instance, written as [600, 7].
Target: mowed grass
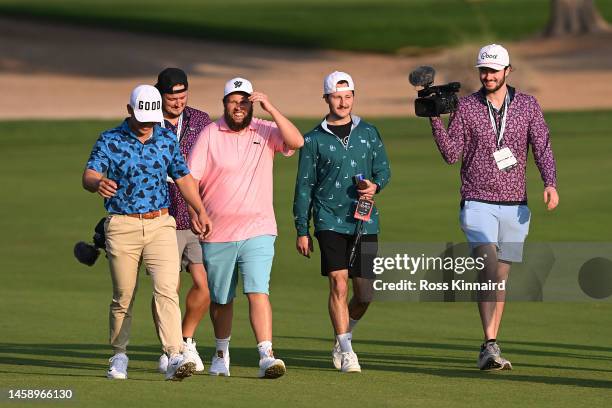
[357, 25]
[54, 325]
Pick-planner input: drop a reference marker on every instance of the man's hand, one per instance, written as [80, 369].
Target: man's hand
[263, 100]
[95, 182]
[107, 188]
[205, 224]
[304, 245]
[292, 138]
[200, 224]
[369, 191]
[551, 198]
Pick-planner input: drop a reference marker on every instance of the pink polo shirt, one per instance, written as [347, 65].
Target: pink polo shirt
[235, 174]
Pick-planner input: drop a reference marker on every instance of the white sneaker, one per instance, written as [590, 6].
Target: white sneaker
[489, 357]
[505, 364]
[189, 346]
[270, 367]
[118, 367]
[162, 366]
[350, 364]
[180, 366]
[219, 365]
[337, 356]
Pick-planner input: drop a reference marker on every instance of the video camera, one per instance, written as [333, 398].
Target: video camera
[87, 253]
[433, 100]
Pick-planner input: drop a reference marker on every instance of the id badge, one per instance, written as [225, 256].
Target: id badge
[504, 159]
[363, 209]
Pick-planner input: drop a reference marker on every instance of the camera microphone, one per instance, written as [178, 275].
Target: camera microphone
[422, 76]
[86, 253]
[433, 100]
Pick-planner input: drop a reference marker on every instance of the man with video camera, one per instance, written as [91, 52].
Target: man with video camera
[343, 164]
[491, 131]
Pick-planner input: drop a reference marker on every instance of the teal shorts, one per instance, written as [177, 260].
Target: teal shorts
[224, 260]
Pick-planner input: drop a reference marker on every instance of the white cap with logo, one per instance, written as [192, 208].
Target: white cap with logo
[146, 102]
[238, 85]
[330, 83]
[493, 56]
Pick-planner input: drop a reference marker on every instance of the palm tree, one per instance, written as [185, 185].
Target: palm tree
[570, 17]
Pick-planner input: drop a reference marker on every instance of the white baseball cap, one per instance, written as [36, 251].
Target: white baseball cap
[493, 56]
[330, 83]
[146, 102]
[238, 85]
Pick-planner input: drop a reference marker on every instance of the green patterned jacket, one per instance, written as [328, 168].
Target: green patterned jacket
[324, 187]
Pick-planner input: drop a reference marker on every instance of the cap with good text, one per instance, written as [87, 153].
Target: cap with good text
[237, 85]
[330, 83]
[169, 78]
[146, 102]
[493, 56]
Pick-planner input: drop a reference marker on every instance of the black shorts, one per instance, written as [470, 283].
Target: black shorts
[336, 251]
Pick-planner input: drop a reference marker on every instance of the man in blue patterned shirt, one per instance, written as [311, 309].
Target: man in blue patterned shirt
[128, 166]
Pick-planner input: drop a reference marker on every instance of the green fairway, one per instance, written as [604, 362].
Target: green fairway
[359, 25]
[54, 326]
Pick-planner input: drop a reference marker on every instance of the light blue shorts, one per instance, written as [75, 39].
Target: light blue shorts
[251, 257]
[506, 226]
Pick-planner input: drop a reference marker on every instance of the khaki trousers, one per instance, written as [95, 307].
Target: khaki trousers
[127, 240]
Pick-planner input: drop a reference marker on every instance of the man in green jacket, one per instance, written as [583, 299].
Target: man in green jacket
[339, 148]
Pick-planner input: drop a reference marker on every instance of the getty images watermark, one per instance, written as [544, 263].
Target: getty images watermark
[412, 264]
[451, 272]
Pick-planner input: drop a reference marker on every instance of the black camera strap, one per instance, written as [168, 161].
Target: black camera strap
[500, 129]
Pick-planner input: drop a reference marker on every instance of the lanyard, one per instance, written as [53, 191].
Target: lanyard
[499, 131]
[179, 126]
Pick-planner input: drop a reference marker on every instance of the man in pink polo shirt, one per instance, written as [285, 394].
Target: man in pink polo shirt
[232, 161]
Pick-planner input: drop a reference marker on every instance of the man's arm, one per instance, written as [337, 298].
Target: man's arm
[449, 142]
[381, 172]
[96, 183]
[305, 183]
[93, 177]
[539, 138]
[289, 133]
[189, 190]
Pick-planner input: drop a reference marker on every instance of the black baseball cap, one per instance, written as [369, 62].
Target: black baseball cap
[168, 78]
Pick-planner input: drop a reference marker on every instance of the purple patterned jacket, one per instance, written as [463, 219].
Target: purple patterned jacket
[471, 137]
[193, 122]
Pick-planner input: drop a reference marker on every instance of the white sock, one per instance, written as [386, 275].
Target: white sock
[345, 342]
[265, 349]
[352, 324]
[223, 346]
